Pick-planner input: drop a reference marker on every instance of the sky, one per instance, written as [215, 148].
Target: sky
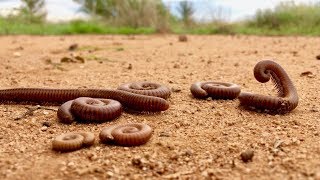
[229, 10]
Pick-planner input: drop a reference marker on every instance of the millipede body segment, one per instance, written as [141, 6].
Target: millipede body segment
[216, 90]
[287, 98]
[73, 141]
[131, 134]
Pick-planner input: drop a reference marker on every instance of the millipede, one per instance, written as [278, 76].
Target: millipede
[72, 141]
[139, 99]
[287, 98]
[130, 134]
[216, 90]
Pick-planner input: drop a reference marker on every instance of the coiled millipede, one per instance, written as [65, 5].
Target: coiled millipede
[73, 141]
[131, 134]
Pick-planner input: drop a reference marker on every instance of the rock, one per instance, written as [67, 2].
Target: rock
[318, 57]
[174, 89]
[247, 155]
[79, 59]
[43, 128]
[46, 123]
[183, 38]
[17, 54]
[176, 66]
[66, 60]
[73, 47]
[130, 66]
[309, 74]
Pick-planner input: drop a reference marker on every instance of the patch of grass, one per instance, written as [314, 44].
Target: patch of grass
[286, 19]
[8, 27]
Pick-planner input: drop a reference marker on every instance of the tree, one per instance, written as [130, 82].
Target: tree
[132, 13]
[33, 11]
[103, 8]
[186, 11]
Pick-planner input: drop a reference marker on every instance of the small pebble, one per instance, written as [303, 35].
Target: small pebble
[174, 89]
[46, 123]
[44, 128]
[247, 155]
[183, 38]
[73, 47]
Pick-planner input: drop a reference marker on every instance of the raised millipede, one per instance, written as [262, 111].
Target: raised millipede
[139, 100]
[73, 141]
[216, 90]
[287, 98]
[131, 134]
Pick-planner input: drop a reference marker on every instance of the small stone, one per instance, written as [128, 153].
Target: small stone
[110, 174]
[66, 60]
[136, 161]
[43, 128]
[92, 156]
[176, 66]
[247, 155]
[73, 47]
[71, 164]
[309, 74]
[46, 123]
[318, 57]
[16, 54]
[183, 38]
[130, 66]
[174, 89]
[79, 59]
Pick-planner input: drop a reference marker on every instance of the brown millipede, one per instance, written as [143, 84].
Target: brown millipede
[139, 102]
[89, 110]
[73, 141]
[287, 99]
[131, 134]
[216, 90]
[147, 88]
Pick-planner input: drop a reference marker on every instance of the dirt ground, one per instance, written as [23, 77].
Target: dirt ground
[193, 139]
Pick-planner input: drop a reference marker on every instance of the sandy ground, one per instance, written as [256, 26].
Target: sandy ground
[194, 138]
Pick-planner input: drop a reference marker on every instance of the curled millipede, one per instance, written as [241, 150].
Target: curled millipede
[89, 110]
[136, 101]
[287, 98]
[73, 141]
[131, 134]
[216, 90]
[147, 88]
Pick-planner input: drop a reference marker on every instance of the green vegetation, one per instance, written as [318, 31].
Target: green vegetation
[147, 17]
[286, 19]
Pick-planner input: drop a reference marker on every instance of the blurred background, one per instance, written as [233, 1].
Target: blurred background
[259, 17]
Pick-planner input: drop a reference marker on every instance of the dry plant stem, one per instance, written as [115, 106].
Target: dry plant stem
[89, 110]
[73, 141]
[216, 90]
[147, 88]
[287, 99]
[132, 134]
[31, 110]
[41, 95]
